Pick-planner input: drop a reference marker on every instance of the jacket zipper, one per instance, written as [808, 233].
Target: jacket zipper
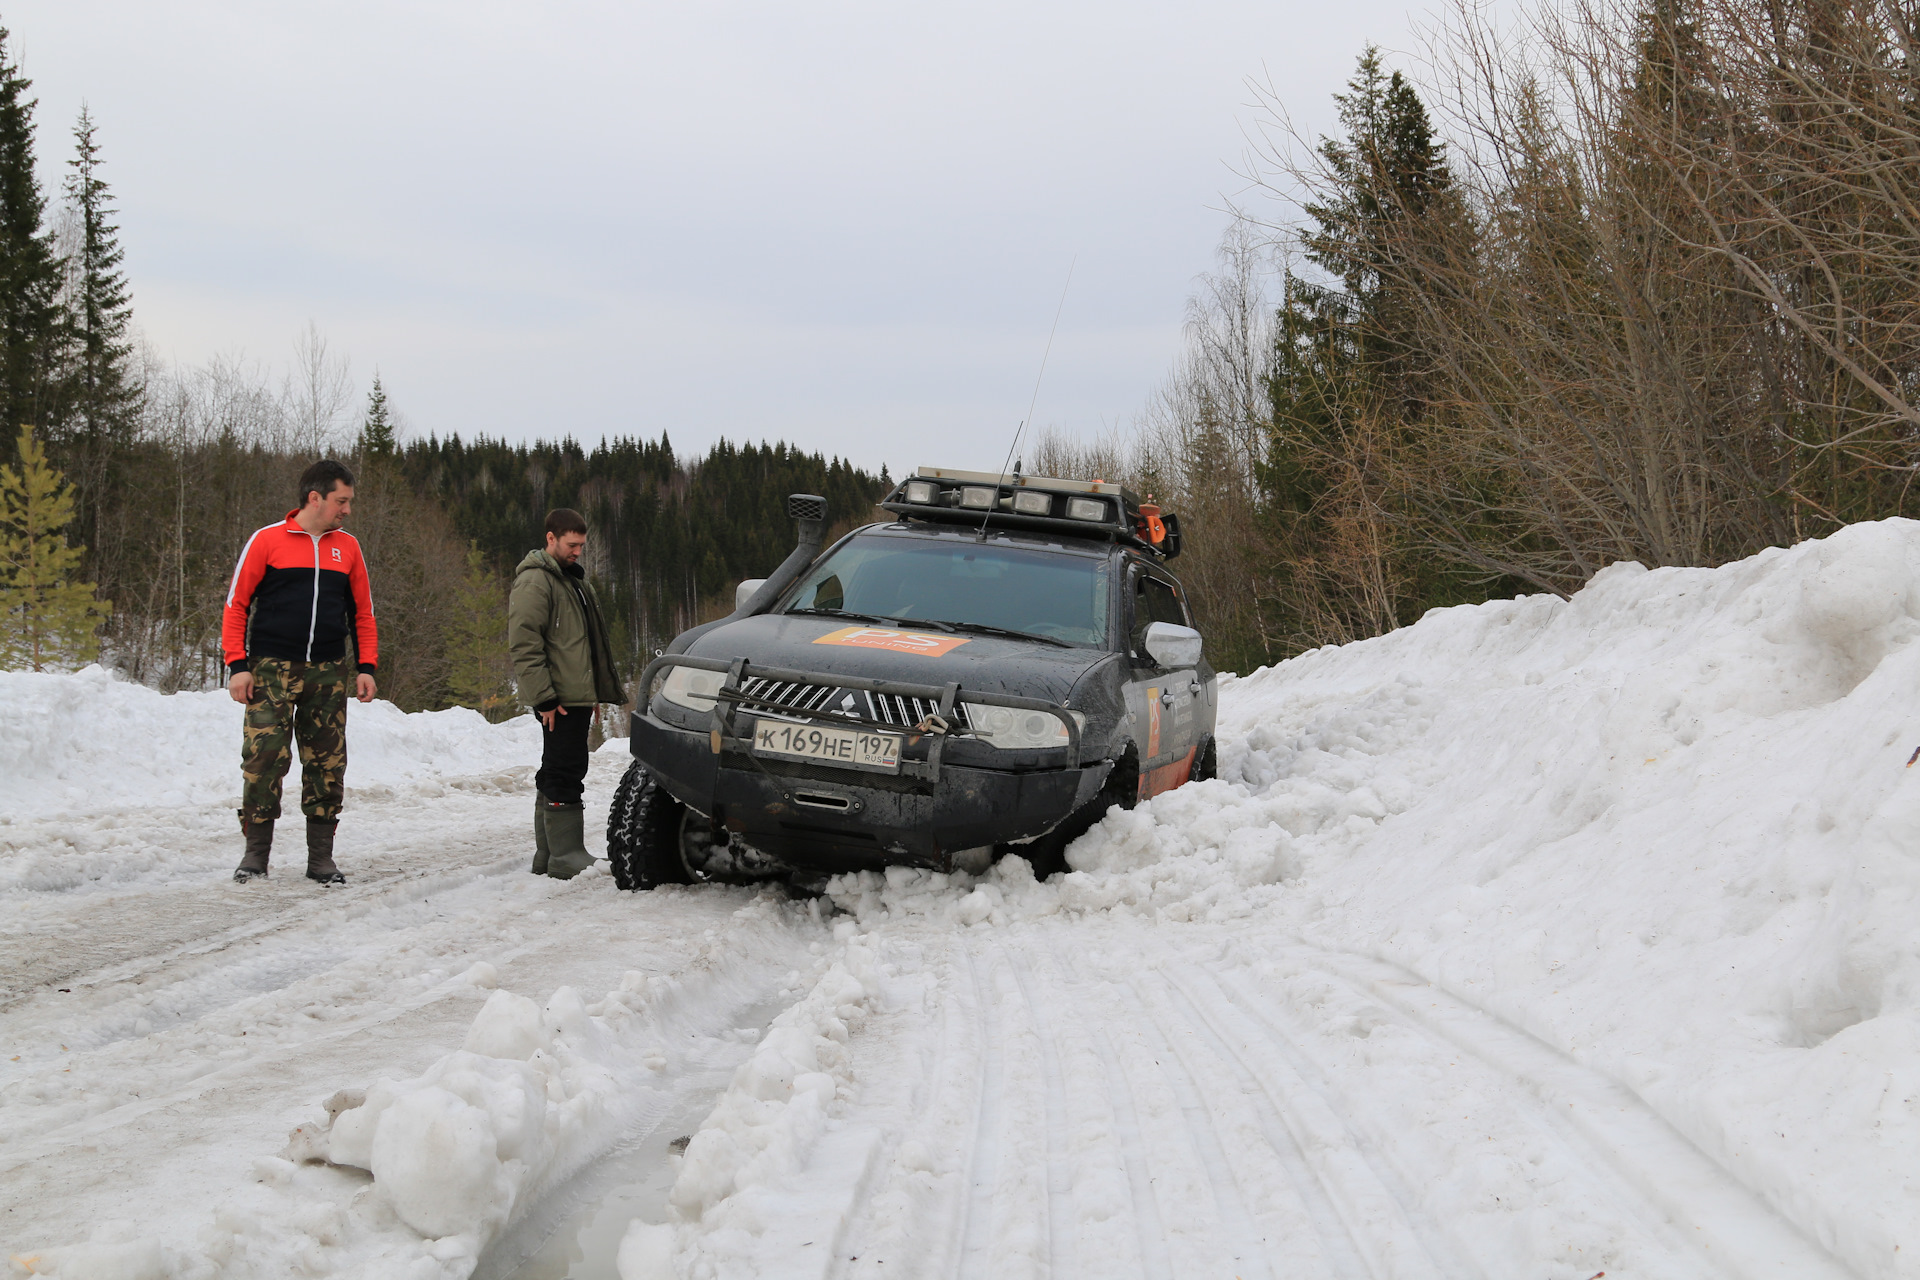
[313, 617]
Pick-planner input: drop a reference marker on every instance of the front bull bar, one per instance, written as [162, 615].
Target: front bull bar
[729, 699]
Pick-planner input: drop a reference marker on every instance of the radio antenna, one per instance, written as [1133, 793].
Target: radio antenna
[1018, 431]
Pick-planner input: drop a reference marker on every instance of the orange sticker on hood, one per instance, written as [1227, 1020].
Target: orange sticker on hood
[898, 641]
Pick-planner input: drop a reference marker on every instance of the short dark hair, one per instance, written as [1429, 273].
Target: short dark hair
[322, 476]
[562, 521]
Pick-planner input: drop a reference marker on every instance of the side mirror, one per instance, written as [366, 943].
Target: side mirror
[744, 592]
[1172, 645]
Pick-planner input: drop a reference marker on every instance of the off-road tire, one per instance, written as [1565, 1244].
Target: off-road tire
[643, 833]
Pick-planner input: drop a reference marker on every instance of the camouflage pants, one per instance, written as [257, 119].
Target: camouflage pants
[303, 701]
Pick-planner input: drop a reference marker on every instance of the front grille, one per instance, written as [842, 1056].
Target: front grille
[854, 704]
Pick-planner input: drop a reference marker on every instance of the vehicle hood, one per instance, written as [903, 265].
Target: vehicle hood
[838, 647]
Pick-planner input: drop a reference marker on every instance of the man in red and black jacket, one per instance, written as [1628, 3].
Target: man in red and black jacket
[299, 593]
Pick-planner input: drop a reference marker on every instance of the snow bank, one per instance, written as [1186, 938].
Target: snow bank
[100, 778]
[88, 742]
[1665, 826]
[749, 1164]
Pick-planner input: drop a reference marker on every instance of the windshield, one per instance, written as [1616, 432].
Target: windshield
[1061, 597]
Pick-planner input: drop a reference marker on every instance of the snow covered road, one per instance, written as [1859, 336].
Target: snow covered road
[164, 1034]
[1541, 939]
[1196, 1102]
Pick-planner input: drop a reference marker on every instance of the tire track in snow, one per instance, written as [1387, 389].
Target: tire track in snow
[204, 905]
[1062, 1220]
[1646, 1167]
[1378, 1212]
[1342, 1243]
[1183, 1075]
[976, 1225]
[1150, 1232]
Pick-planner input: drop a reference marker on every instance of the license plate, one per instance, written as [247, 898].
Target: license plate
[855, 748]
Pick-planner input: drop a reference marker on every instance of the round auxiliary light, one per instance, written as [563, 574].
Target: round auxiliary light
[920, 491]
[1033, 503]
[1086, 509]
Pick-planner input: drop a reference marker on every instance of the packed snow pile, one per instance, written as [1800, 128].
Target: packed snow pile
[1667, 827]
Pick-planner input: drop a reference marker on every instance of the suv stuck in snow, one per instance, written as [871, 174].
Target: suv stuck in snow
[987, 674]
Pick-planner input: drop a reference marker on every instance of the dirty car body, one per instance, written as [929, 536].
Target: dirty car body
[932, 691]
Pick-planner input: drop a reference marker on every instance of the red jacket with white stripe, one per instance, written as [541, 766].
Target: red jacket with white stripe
[305, 593]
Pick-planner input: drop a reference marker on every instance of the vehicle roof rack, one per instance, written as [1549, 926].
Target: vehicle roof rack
[1095, 509]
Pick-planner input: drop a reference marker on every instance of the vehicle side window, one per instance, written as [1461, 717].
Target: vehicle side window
[1154, 600]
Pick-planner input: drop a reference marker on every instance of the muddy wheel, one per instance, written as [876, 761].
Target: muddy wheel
[1206, 762]
[644, 833]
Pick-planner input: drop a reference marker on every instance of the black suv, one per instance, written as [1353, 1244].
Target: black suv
[987, 674]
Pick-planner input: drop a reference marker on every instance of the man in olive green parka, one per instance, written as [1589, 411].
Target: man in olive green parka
[563, 669]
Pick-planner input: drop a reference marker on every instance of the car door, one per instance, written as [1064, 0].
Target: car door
[1160, 699]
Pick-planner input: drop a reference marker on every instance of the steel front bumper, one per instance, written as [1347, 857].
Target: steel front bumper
[838, 819]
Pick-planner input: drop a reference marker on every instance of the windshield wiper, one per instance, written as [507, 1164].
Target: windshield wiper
[1009, 632]
[876, 617]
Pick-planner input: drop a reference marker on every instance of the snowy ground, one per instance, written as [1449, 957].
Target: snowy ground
[1541, 939]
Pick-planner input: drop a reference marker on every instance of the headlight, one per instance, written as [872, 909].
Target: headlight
[920, 491]
[1014, 729]
[692, 688]
[1033, 504]
[977, 498]
[1086, 509]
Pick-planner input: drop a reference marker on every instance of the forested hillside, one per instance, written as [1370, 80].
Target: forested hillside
[667, 540]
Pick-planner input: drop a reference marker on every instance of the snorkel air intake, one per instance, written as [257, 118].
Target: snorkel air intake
[809, 512]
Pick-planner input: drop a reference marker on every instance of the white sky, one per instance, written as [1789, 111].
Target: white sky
[842, 224]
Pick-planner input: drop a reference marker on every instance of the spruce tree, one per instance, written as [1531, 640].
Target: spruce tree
[46, 617]
[100, 394]
[479, 671]
[376, 433]
[29, 268]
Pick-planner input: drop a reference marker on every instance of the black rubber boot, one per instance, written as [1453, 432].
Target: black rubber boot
[253, 866]
[540, 849]
[567, 854]
[320, 851]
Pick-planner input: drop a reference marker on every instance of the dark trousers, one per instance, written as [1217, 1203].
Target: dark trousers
[563, 756]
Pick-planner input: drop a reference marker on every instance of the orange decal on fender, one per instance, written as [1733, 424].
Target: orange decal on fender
[897, 641]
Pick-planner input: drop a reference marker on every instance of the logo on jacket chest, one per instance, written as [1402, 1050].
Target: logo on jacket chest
[336, 554]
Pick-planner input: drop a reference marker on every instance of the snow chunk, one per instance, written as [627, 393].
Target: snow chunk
[508, 1026]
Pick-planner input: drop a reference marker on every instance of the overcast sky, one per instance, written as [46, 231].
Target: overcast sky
[842, 224]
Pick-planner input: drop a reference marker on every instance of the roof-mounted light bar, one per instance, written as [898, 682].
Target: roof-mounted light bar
[1088, 508]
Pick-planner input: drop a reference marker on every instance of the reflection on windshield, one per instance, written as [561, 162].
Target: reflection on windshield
[1062, 597]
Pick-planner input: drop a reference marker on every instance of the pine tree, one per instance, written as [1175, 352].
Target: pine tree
[377, 441]
[45, 616]
[100, 395]
[29, 268]
[480, 673]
